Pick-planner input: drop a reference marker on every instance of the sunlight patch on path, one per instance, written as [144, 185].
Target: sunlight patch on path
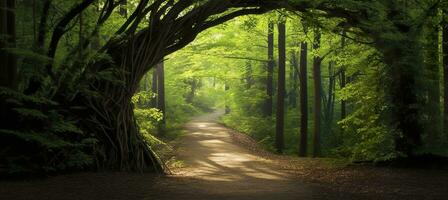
[209, 154]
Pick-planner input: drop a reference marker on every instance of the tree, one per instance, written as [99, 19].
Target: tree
[8, 69]
[445, 74]
[270, 70]
[8, 73]
[317, 94]
[154, 88]
[279, 143]
[433, 125]
[303, 99]
[227, 107]
[161, 92]
[343, 80]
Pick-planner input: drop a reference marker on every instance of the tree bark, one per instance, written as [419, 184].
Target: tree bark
[403, 90]
[161, 92]
[154, 88]
[445, 77]
[8, 73]
[303, 99]
[227, 107]
[343, 82]
[317, 95]
[433, 125]
[270, 70]
[293, 76]
[279, 134]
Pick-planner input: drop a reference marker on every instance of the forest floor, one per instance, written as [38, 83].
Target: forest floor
[219, 163]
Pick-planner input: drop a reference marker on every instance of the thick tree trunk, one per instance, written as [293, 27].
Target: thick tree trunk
[403, 90]
[445, 78]
[279, 134]
[270, 70]
[317, 96]
[303, 99]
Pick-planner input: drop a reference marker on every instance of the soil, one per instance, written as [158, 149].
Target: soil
[219, 163]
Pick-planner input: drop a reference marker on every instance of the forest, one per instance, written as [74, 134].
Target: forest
[155, 86]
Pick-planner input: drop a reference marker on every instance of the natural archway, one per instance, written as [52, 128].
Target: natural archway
[158, 28]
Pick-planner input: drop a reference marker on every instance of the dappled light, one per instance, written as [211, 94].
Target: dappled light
[223, 99]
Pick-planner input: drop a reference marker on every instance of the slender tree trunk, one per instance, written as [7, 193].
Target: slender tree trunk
[8, 73]
[303, 99]
[193, 86]
[249, 75]
[317, 95]
[270, 70]
[343, 82]
[154, 88]
[294, 76]
[161, 91]
[227, 107]
[329, 101]
[279, 143]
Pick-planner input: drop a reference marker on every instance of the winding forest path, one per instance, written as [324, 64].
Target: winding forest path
[217, 168]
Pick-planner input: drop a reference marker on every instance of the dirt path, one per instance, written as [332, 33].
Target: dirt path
[216, 168]
[218, 165]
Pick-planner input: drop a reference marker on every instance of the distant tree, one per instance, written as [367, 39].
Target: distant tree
[8, 73]
[294, 78]
[303, 97]
[161, 92]
[343, 80]
[227, 88]
[154, 88]
[270, 70]
[279, 135]
[317, 95]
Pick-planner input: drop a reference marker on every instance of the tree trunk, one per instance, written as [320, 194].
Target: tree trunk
[279, 143]
[161, 92]
[445, 77]
[227, 107]
[154, 88]
[293, 76]
[433, 126]
[270, 70]
[317, 95]
[343, 82]
[329, 101]
[403, 90]
[303, 99]
[8, 73]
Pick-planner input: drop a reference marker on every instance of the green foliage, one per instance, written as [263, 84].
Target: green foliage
[43, 140]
